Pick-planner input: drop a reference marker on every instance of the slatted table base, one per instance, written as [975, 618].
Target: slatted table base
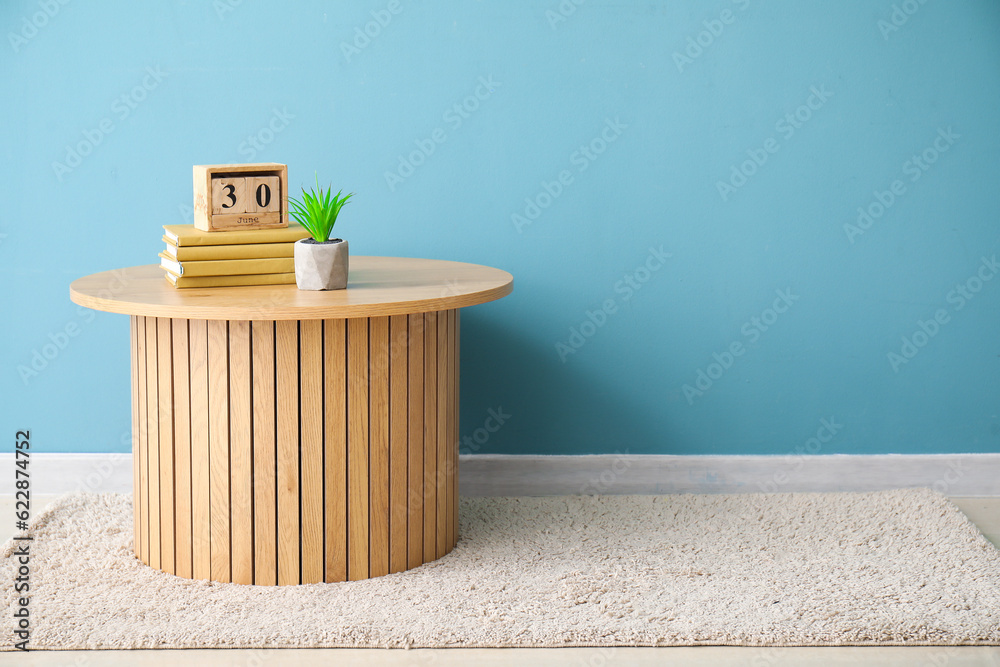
[295, 452]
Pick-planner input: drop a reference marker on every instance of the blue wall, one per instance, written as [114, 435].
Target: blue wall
[674, 185]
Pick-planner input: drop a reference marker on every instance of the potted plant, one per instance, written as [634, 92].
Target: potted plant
[321, 263]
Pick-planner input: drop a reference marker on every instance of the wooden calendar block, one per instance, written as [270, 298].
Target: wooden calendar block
[240, 196]
[263, 194]
[229, 195]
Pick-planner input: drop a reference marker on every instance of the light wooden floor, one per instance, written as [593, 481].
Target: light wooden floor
[984, 512]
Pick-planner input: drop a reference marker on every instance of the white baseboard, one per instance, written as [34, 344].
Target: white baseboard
[502, 475]
[952, 474]
[62, 473]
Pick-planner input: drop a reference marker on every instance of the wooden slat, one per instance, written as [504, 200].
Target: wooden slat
[134, 389]
[240, 457]
[443, 468]
[456, 404]
[141, 494]
[311, 452]
[286, 337]
[378, 467]
[430, 437]
[452, 441]
[357, 448]
[415, 442]
[182, 448]
[201, 522]
[165, 409]
[335, 447]
[153, 446]
[397, 442]
[264, 494]
[218, 445]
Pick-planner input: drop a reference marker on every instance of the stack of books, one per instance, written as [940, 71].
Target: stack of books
[194, 258]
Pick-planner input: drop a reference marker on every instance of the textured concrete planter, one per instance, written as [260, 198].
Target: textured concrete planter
[321, 266]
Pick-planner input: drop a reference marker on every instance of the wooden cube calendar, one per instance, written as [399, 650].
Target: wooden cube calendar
[240, 196]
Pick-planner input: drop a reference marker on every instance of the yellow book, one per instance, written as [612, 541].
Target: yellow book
[187, 235]
[231, 281]
[242, 251]
[228, 267]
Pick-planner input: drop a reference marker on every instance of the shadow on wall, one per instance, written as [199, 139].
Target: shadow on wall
[518, 398]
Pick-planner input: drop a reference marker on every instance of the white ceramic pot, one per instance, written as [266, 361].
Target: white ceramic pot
[321, 266]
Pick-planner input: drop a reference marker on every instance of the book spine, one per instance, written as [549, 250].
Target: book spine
[242, 251]
[187, 235]
[232, 281]
[236, 267]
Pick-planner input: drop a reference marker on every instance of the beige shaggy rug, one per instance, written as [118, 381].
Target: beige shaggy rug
[897, 567]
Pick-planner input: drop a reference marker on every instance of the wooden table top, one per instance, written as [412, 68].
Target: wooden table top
[376, 286]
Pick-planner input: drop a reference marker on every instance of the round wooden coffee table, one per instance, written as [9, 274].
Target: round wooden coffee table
[289, 437]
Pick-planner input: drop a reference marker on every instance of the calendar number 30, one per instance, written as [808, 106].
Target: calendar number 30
[262, 195]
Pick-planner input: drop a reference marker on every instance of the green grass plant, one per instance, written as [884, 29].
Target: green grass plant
[317, 211]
